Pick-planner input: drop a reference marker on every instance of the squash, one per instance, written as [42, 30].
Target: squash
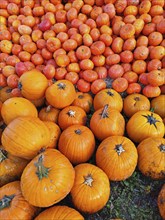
[5, 93]
[47, 179]
[117, 157]
[0, 110]
[49, 113]
[83, 100]
[38, 102]
[161, 201]
[158, 105]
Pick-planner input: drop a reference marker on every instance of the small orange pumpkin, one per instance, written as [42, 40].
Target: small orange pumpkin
[83, 100]
[5, 93]
[158, 105]
[49, 113]
[161, 201]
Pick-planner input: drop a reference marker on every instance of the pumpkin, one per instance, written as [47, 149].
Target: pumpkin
[47, 179]
[55, 133]
[13, 205]
[5, 93]
[2, 127]
[77, 143]
[144, 124]
[158, 105]
[83, 100]
[91, 189]
[161, 201]
[117, 157]
[60, 94]
[61, 213]
[107, 122]
[11, 167]
[71, 115]
[0, 110]
[134, 103]
[33, 84]
[17, 106]
[49, 113]
[151, 161]
[25, 136]
[38, 102]
[110, 97]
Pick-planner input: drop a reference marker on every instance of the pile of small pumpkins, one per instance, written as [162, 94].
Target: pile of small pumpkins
[49, 136]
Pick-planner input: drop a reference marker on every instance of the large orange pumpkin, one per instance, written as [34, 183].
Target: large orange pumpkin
[33, 84]
[117, 157]
[17, 106]
[144, 124]
[158, 105]
[49, 113]
[60, 213]
[91, 189]
[107, 122]
[77, 143]
[151, 160]
[13, 205]
[161, 202]
[83, 100]
[25, 136]
[47, 179]
[60, 94]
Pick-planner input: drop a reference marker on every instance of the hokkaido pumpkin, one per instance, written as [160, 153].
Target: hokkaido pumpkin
[144, 124]
[49, 113]
[151, 161]
[91, 189]
[61, 213]
[47, 179]
[117, 157]
[107, 122]
[83, 100]
[13, 205]
[60, 94]
[158, 105]
[161, 202]
[11, 167]
[71, 115]
[33, 84]
[17, 106]
[5, 93]
[77, 143]
[108, 97]
[25, 136]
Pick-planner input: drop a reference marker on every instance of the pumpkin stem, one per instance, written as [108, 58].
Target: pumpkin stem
[48, 108]
[42, 171]
[152, 109]
[110, 93]
[61, 85]
[80, 96]
[3, 155]
[137, 98]
[78, 131]
[119, 149]
[162, 148]
[71, 113]
[5, 201]
[88, 180]
[151, 120]
[19, 85]
[104, 113]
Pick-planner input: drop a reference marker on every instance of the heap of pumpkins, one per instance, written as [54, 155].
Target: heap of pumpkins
[49, 135]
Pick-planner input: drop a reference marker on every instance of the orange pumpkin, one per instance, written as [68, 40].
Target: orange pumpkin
[47, 179]
[13, 205]
[25, 136]
[55, 133]
[71, 115]
[61, 213]
[5, 93]
[15, 107]
[33, 84]
[77, 143]
[151, 160]
[144, 124]
[38, 102]
[91, 189]
[107, 122]
[117, 157]
[0, 110]
[60, 94]
[110, 97]
[161, 201]
[11, 167]
[134, 103]
[83, 100]
[158, 105]
[49, 113]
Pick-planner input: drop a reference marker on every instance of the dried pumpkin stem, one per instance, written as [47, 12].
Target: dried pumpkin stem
[162, 148]
[61, 86]
[19, 85]
[80, 96]
[5, 201]
[3, 155]
[48, 108]
[151, 120]
[104, 113]
[42, 171]
[119, 149]
[88, 180]
[78, 131]
[71, 113]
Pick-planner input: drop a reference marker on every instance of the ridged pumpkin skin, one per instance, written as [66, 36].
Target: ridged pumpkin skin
[77, 143]
[17, 106]
[144, 124]
[25, 137]
[49, 113]
[91, 189]
[33, 84]
[83, 100]
[61, 213]
[161, 202]
[47, 179]
[108, 97]
[60, 94]
[134, 103]
[151, 160]
[71, 115]
[158, 105]
[13, 205]
[117, 157]
[107, 122]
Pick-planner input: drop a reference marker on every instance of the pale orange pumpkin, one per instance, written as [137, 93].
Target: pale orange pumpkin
[49, 113]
